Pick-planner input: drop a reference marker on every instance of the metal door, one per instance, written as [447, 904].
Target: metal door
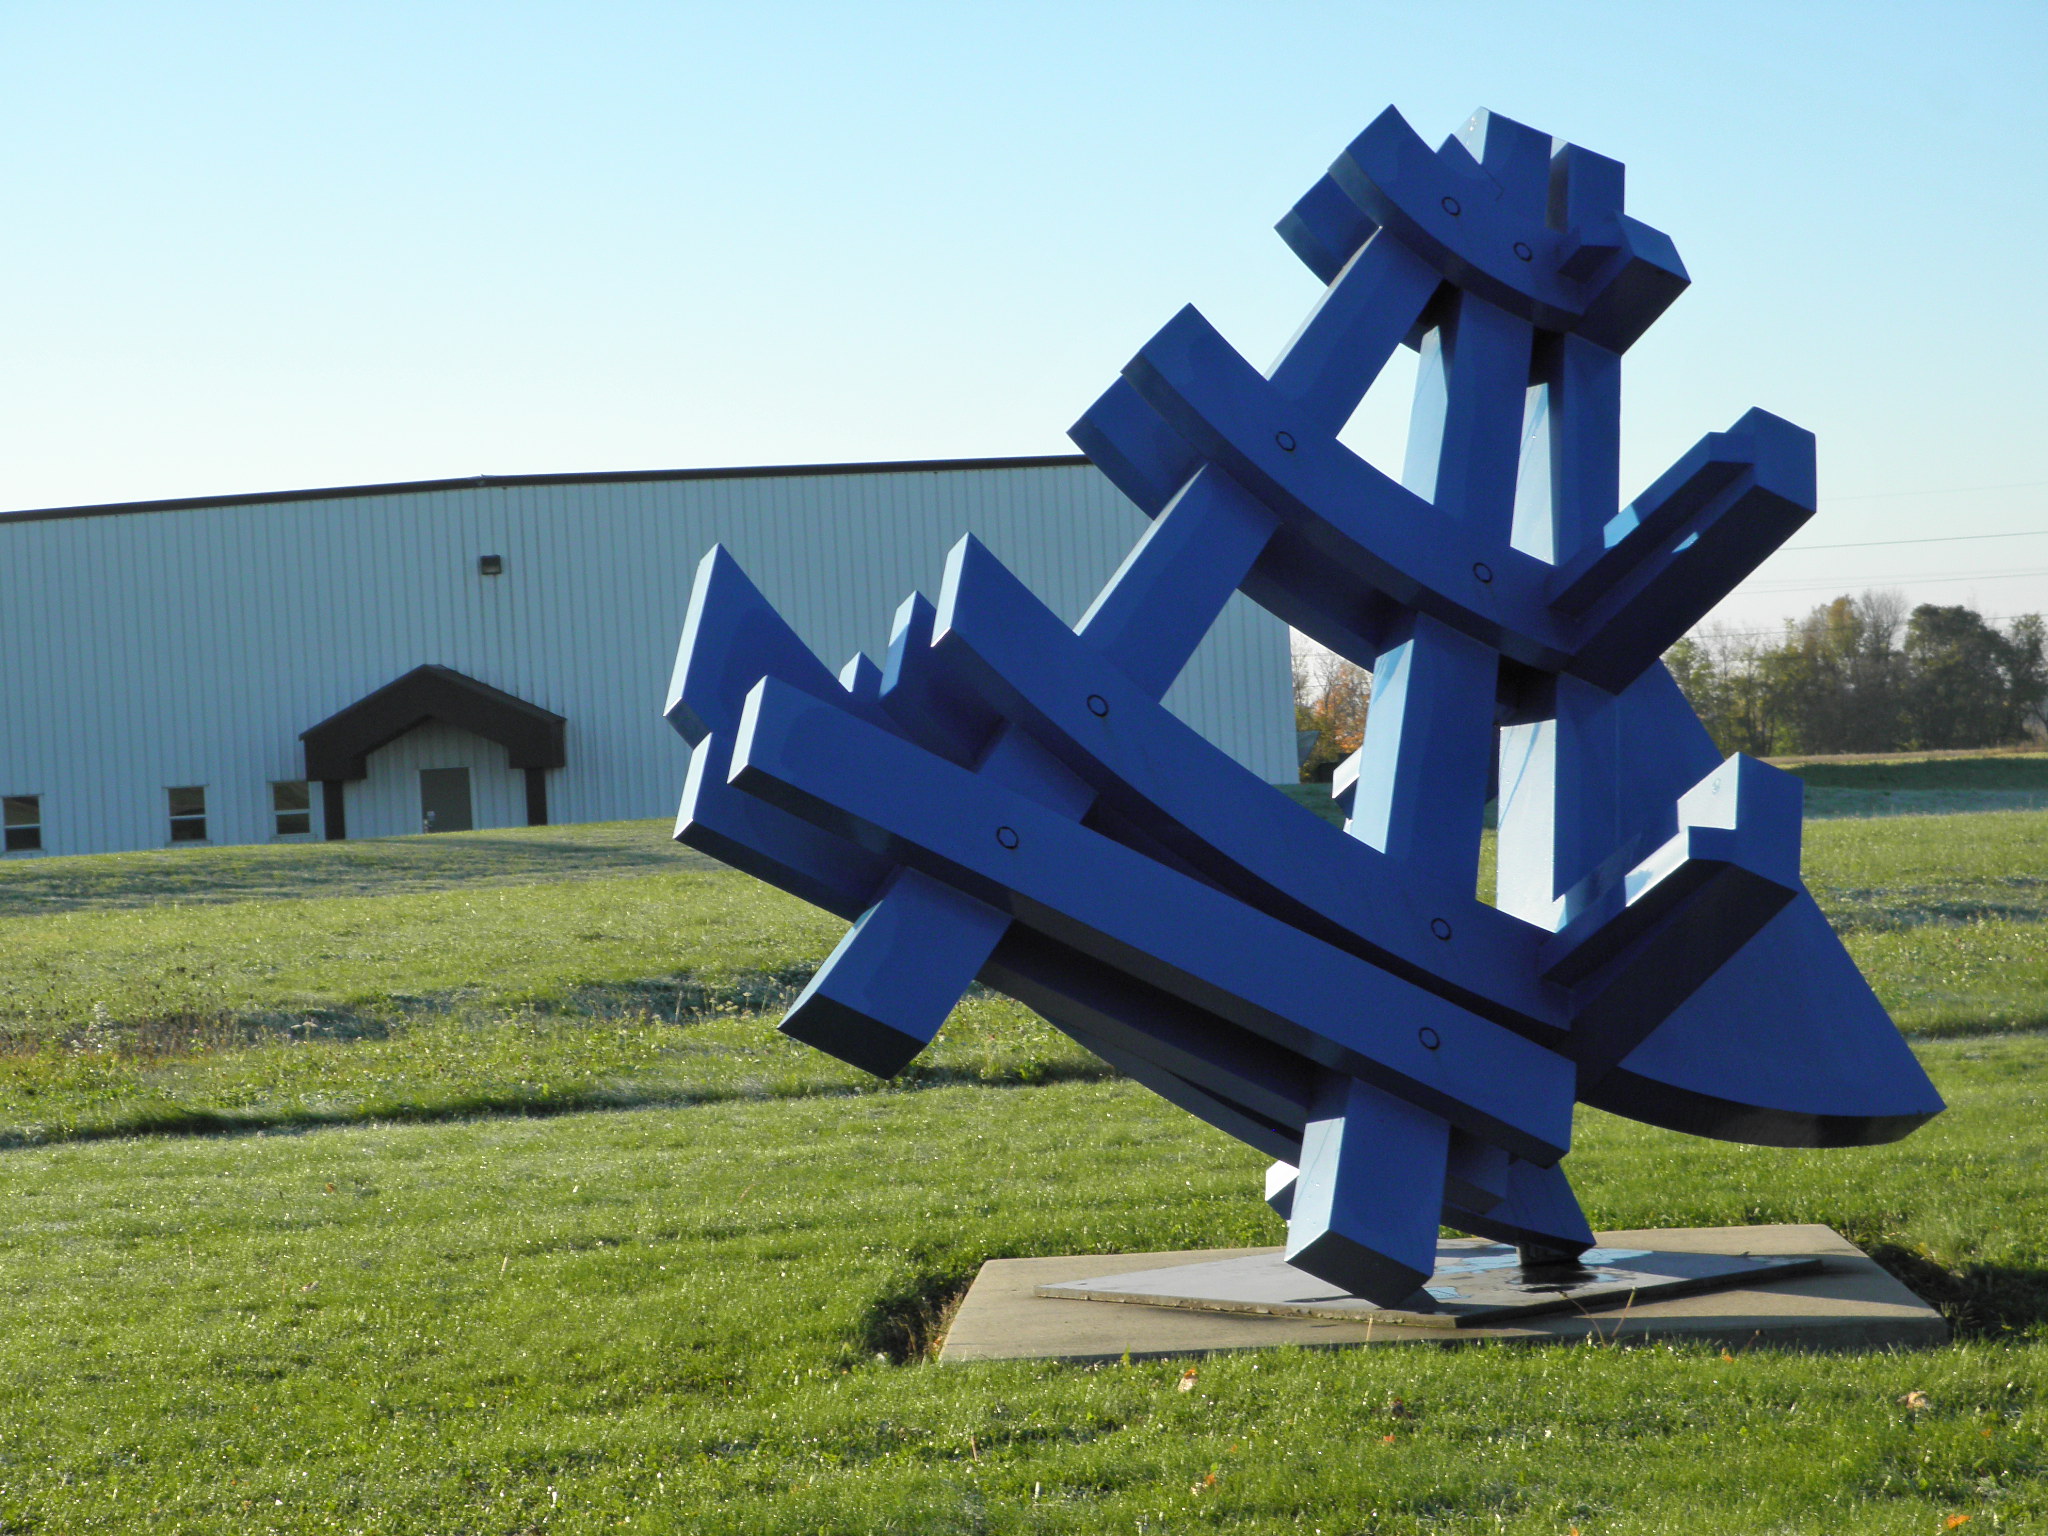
[444, 800]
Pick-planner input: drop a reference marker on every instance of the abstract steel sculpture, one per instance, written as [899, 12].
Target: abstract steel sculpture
[1008, 800]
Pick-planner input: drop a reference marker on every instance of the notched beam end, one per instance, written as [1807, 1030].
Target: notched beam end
[1325, 229]
[1699, 532]
[1738, 826]
[1128, 441]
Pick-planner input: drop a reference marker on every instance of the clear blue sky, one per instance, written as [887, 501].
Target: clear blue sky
[258, 246]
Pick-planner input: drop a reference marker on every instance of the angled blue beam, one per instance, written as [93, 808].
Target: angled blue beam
[926, 703]
[1537, 1210]
[886, 988]
[862, 680]
[1174, 583]
[1008, 647]
[1174, 933]
[1362, 318]
[1170, 589]
[1475, 1173]
[1244, 1086]
[1515, 158]
[1210, 1108]
[1365, 1203]
[732, 636]
[769, 844]
[1420, 787]
[1571, 476]
[1421, 784]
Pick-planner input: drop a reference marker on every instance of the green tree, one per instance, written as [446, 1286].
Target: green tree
[1970, 686]
[1859, 674]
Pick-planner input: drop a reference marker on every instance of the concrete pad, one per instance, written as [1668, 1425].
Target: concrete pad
[1477, 1284]
[1849, 1303]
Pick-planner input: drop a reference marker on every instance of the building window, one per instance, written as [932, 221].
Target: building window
[291, 802]
[23, 815]
[188, 814]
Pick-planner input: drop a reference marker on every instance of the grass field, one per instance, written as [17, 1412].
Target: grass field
[437, 1281]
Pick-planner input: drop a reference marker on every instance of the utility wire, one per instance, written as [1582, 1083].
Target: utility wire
[1940, 538]
[1949, 490]
[1768, 588]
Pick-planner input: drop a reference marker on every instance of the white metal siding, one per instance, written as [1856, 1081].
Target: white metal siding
[387, 803]
[192, 646]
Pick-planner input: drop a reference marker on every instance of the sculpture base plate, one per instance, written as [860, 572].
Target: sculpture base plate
[1839, 1300]
[1476, 1283]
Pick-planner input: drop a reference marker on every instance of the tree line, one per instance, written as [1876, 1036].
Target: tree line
[1859, 674]
[1862, 674]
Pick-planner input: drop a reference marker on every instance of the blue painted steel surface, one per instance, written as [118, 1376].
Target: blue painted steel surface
[1005, 798]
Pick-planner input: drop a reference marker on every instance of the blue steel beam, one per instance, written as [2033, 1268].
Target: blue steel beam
[1185, 938]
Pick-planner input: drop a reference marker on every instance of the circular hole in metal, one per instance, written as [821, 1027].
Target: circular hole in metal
[1285, 440]
[1439, 927]
[1482, 570]
[1524, 252]
[1098, 706]
[1451, 207]
[1007, 836]
[1429, 1038]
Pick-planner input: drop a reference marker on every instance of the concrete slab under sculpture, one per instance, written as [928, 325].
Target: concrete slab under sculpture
[1006, 799]
[1476, 1284]
[1847, 1302]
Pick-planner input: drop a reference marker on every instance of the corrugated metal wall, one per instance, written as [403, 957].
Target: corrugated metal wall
[192, 646]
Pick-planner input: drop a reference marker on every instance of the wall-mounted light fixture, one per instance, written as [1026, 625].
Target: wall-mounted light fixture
[490, 565]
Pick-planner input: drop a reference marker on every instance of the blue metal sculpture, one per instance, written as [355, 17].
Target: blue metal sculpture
[1008, 800]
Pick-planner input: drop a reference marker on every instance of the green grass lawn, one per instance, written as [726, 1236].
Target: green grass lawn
[692, 1320]
[437, 1281]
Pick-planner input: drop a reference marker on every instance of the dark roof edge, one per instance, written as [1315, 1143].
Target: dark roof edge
[596, 477]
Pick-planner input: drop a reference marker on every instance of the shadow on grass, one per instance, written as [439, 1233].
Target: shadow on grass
[906, 1325]
[544, 1104]
[1980, 1301]
[177, 1032]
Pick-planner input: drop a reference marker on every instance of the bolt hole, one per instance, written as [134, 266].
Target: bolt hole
[1482, 570]
[1285, 440]
[1007, 836]
[1451, 207]
[1524, 252]
[1429, 1038]
[1439, 927]
[1098, 706]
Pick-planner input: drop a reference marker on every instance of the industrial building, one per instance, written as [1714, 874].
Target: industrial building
[367, 661]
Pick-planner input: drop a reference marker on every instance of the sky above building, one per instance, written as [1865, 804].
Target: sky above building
[259, 246]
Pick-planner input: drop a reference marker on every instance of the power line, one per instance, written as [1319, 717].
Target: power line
[1942, 538]
[1943, 490]
[1776, 589]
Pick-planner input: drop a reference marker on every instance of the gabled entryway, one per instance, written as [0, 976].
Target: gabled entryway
[339, 748]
